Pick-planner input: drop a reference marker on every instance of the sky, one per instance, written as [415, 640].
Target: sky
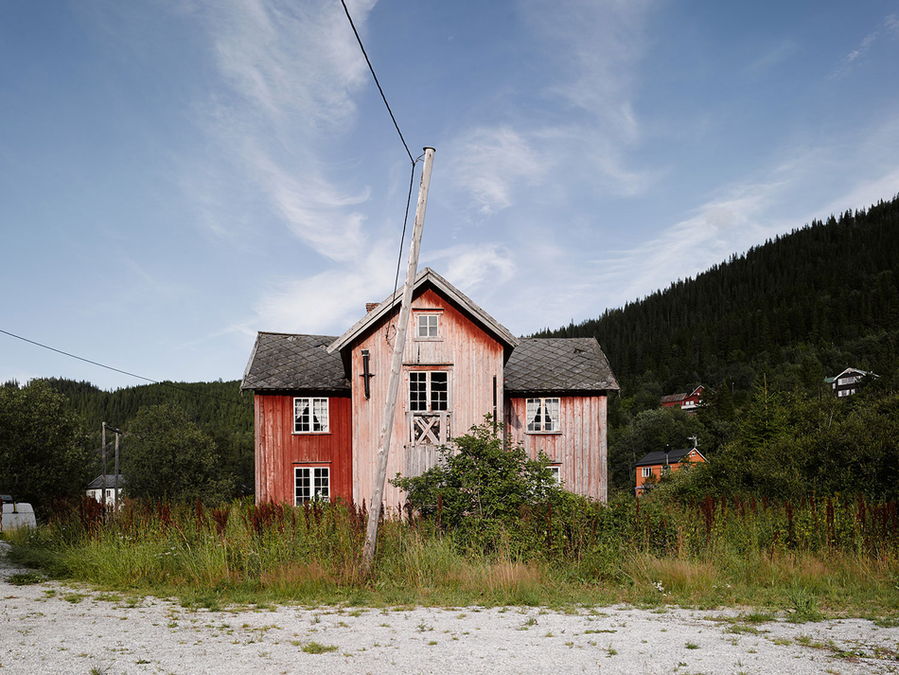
[176, 175]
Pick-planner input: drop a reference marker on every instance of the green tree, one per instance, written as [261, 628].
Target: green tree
[169, 457]
[478, 484]
[43, 455]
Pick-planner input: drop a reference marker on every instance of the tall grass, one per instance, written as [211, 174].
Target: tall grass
[839, 555]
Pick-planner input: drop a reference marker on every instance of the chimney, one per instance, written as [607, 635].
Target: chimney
[370, 306]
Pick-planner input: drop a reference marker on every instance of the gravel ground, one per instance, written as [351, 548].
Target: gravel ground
[54, 628]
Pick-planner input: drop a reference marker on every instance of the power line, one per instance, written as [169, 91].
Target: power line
[118, 370]
[399, 255]
[377, 83]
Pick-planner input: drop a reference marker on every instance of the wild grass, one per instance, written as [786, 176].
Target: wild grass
[801, 561]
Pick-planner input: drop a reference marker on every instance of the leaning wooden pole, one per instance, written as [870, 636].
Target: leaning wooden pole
[374, 513]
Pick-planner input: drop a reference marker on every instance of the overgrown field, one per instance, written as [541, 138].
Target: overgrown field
[831, 556]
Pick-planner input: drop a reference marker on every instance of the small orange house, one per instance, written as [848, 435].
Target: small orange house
[319, 400]
[653, 465]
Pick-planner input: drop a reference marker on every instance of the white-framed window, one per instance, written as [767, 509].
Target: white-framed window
[647, 471]
[311, 483]
[557, 474]
[428, 326]
[428, 390]
[543, 415]
[310, 415]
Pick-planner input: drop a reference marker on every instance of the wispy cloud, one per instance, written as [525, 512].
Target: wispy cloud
[288, 76]
[592, 51]
[888, 28]
[490, 163]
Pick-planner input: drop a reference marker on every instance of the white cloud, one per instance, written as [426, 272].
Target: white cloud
[491, 163]
[591, 51]
[288, 76]
[473, 267]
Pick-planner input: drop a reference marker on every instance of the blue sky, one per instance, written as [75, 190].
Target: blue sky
[176, 175]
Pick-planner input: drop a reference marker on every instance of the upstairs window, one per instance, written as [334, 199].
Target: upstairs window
[428, 390]
[543, 415]
[428, 325]
[310, 415]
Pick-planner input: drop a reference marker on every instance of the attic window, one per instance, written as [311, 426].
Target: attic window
[310, 415]
[543, 415]
[427, 326]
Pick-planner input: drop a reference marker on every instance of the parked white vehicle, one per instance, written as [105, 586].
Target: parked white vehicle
[16, 515]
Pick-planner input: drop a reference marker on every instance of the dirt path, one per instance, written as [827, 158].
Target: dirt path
[53, 628]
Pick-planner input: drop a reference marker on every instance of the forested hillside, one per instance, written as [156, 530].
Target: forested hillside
[761, 331]
[797, 308]
[217, 408]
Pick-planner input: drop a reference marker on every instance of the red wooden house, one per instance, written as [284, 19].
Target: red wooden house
[319, 399]
[688, 401]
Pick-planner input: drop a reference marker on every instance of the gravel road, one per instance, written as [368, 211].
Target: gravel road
[53, 628]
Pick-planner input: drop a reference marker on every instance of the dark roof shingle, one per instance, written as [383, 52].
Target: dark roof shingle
[97, 482]
[658, 457]
[558, 365]
[284, 361]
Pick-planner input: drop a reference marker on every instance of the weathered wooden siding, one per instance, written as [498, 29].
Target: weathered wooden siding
[579, 448]
[279, 450]
[471, 357]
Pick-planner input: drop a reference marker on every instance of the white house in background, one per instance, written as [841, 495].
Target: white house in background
[849, 381]
[106, 482]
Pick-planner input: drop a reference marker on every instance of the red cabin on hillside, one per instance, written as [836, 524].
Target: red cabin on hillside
[688, 401]
[319, 399]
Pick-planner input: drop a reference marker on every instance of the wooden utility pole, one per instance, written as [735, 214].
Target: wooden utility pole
[115, 478]
[374, 513]
[103, 468]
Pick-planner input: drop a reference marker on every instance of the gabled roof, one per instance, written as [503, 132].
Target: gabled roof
[97, 483]
[558, 365]
[658, 456]
[285, 361]
[851, 371]
[675, 398]
[427, 276]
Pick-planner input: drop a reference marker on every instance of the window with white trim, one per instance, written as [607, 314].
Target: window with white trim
[557, 474]
[310, 415]
[428, 390]
[311, 483]
[647, 471]
[543, 415]
[428, 325]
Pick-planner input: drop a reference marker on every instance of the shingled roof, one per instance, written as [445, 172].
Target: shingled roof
[558, 365]
[284, 361]
[658, 456]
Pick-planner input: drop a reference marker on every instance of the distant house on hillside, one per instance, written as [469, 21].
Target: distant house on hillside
[106, 482]
[848, 382]
[653, 465]
[319, 400]
[688, 401]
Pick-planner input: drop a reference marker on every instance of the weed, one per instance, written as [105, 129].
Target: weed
[26, 578]
[318, 648]
[691, 645]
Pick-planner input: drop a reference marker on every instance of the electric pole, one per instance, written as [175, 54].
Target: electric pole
[103, 468]
[374, 514]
